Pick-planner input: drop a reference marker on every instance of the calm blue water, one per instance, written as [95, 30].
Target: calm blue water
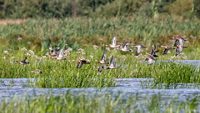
[126, 87]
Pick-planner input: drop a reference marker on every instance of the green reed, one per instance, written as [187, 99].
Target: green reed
[103, 103]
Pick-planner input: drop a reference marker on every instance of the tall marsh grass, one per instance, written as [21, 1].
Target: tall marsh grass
[99, 31]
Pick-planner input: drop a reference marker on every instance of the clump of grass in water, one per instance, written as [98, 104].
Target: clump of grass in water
[73, 81]
[65, 74]
[171, 73]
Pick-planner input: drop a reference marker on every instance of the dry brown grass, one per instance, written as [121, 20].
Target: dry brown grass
[179, 7]
[11, 21]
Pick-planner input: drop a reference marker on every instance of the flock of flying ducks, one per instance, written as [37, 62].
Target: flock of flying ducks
[151, 57]
[60, 54]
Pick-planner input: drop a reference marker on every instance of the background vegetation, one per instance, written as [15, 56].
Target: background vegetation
[39, 34]
[96, 8]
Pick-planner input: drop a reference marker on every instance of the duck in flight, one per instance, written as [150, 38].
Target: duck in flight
[112, 65]
[154, 51]
[179, 50]
[138, 49]
[113, 44]
[125, 47]
[82, 62]
[150, 59]
[166, 50]
[24, 61]
[179, 40]
[103, 58]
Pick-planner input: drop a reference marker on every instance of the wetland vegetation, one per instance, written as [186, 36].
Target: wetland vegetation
[34, 37]
[85, 30]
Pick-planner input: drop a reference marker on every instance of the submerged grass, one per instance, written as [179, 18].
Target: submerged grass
[104, 103]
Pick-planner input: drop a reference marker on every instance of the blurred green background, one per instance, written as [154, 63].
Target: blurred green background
[97, 8]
